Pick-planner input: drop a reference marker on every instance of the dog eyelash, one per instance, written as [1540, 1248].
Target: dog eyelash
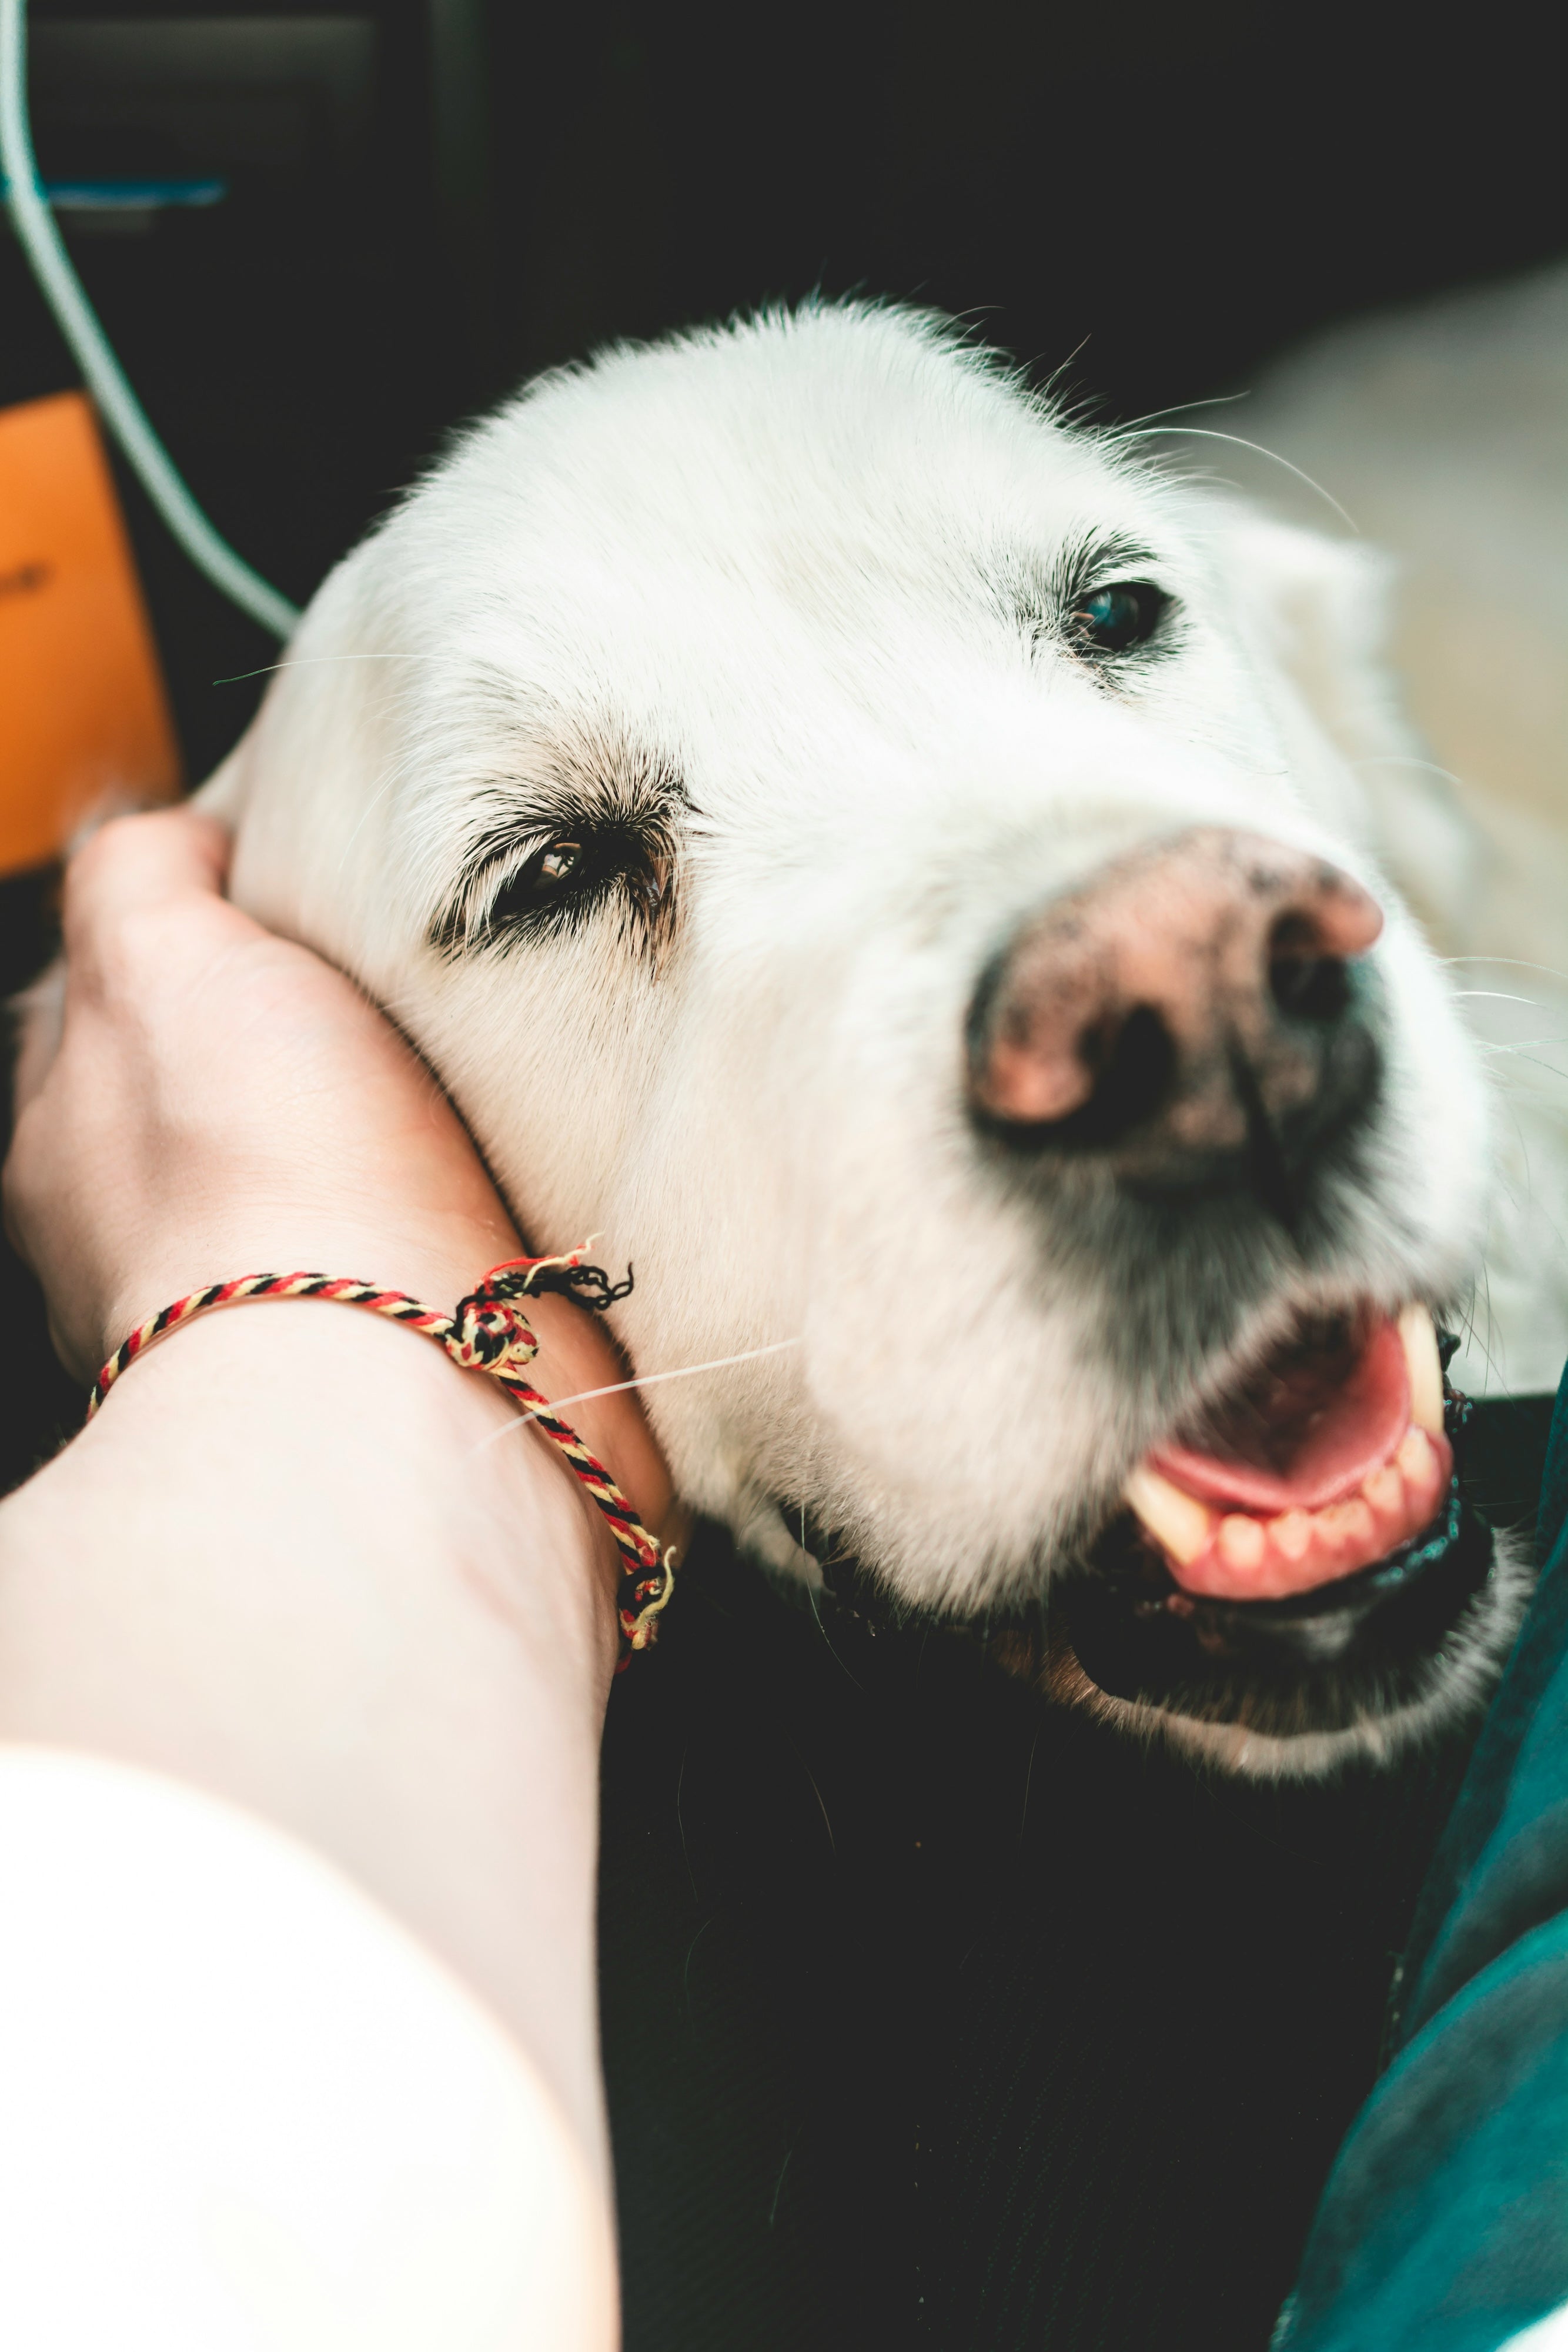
[1095, 601]
[1108, 612]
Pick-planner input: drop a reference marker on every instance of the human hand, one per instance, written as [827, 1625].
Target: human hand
[222, 1102]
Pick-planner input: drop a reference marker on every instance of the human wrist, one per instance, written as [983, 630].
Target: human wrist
[417, 1438]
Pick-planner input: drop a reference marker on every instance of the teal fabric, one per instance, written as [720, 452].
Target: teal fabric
[1445, 2222]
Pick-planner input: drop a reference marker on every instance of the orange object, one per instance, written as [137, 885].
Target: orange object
[84, 719]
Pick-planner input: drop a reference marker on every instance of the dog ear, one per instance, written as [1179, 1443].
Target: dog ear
[1319, 608]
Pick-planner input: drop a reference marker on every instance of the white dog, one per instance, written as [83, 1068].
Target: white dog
[894, 867]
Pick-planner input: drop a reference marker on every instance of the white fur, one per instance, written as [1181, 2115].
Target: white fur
[764, 555]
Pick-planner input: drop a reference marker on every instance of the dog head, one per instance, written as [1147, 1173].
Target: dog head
[887, 863]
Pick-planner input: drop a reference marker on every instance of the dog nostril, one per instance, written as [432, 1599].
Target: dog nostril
[1132, 1063]
[1305, 984]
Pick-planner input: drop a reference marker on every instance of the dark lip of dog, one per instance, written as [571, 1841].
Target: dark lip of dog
[1349, 1671]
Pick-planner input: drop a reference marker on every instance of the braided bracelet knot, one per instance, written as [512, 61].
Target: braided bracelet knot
[490, 1335]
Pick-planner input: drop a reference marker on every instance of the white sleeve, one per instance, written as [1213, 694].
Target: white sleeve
[1548, 2334]
[241, 2108]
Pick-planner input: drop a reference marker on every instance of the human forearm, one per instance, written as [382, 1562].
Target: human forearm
[303, 1562]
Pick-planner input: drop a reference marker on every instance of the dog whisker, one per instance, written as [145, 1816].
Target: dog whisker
[1202, 433]
[815, 1792]
[643, 1381]
[1475, 1338]
[778, 2184]
[1182, 408]
[1519, 1054]
[1408, 759]
[827, 1637]
[1518, 963]
[1028, 1780]
[317, 661]
[687, 1972]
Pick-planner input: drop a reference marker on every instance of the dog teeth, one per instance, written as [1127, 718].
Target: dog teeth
[1290, 1535]
[1234, 1556]
[1180, 1522]
[1425, 1468]
[1383, 1495]
[1384, 1490]
[1419, 1341]
[1350, 1527]
[1241, 1541]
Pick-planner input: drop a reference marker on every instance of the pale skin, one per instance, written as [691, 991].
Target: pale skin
[299, 1561]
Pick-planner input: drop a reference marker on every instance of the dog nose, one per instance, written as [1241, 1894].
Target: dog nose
[1186, 1004]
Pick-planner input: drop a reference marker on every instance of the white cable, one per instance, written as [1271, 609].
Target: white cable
[121, 411]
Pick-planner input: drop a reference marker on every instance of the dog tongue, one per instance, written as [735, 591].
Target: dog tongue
[1310, 1430]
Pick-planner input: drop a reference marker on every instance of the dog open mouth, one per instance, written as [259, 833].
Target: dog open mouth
[1331, 1457]
[1295, 1580]
[1296, 1566]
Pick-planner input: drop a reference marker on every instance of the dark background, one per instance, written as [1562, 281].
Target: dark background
[449, 196]
[926, 2012]
[427, 200]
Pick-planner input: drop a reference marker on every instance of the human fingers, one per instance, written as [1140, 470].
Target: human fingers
[134, 866]
[128, 866]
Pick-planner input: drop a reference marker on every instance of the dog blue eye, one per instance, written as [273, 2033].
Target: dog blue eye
[1114, 619]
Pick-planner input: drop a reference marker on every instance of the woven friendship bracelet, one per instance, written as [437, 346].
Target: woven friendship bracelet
[487, 1332]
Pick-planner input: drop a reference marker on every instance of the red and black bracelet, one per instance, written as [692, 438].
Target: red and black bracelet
[487, 1332]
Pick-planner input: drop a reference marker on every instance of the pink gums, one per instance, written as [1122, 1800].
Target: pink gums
[1361, 1480]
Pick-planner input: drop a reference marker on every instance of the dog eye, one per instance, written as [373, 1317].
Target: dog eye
[548, 876]
[565, 880]
[561, 861]
[1115, 619]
